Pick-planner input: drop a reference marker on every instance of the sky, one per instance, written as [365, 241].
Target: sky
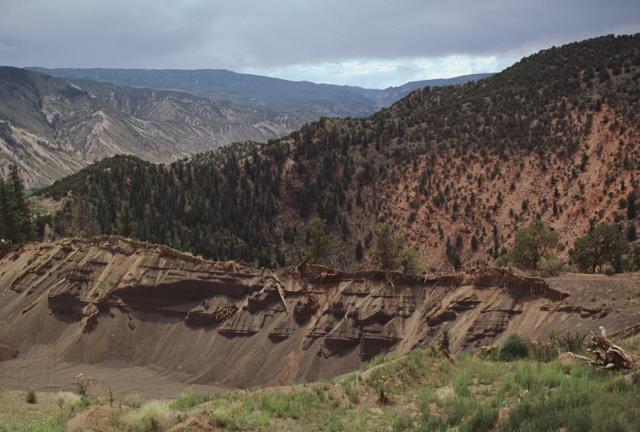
[371, 43]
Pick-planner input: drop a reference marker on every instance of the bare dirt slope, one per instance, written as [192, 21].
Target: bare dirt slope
[144, 317]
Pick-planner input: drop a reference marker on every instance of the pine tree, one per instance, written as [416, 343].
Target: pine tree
[388, 248]
[126, 222]
[632, 209]
[359, 252]
[17, 224]
[319, 240]
[392, 253]
[474, 243]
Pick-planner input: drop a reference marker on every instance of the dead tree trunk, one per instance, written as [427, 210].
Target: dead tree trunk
[607, 354]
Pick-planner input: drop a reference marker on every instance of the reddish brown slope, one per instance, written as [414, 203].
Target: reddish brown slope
[554, 136]
[509, 194]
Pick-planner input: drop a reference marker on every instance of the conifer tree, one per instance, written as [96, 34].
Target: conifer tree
[15, 223]
[359, 252]
[391, 251]
[319, 240]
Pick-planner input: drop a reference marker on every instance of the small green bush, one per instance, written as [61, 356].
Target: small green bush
[403, 423]
[295, 405]
[82, 385]
[515, 347]
[482, 420]
[444, 345]
[383, 395]
[153, 416]
[237, 415]
[188, 400]
[551, 265]
[381, 358]
[608, 269]
[30, 397]
[503, 260]
[351, 392]
[573, 342]
[132, 401]
[543, 352]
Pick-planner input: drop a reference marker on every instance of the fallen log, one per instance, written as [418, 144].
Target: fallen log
[607, 354]
[583, 358]
[280, 290]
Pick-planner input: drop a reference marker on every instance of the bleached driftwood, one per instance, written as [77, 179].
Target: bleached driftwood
[607, 354]
[280, 289]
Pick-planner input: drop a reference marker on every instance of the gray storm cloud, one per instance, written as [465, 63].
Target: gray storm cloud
[240, 34]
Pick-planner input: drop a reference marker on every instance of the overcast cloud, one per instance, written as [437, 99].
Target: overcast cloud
[375, 43]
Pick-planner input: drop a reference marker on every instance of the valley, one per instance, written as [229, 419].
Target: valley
[51, 127]
[198, 250]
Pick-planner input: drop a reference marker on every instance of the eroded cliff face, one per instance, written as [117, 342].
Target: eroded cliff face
[112, 301]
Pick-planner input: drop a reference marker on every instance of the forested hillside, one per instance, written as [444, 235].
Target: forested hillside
[457, 169]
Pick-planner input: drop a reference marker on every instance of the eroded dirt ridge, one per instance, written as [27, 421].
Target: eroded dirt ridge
[109, 299]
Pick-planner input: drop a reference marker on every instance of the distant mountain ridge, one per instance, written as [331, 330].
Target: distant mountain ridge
[53, 127]
[388, 96]
[261, 92]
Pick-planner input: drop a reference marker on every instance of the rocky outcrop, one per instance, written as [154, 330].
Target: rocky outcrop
[517, 286]
[109, 298]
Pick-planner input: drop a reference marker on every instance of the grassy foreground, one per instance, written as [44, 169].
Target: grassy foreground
[418, 392]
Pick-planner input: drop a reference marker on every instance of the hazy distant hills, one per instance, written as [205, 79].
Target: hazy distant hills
[384, 98]
[262, 92]
[52, 127]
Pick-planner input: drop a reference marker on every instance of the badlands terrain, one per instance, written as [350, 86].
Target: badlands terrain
[422, 268]
[144, 321]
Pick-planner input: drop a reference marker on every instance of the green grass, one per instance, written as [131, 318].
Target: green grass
[424, 392]
[152, 417]
[188, 400]
[381, 359]
[49, 413]
[351, 391]
[51, 424]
